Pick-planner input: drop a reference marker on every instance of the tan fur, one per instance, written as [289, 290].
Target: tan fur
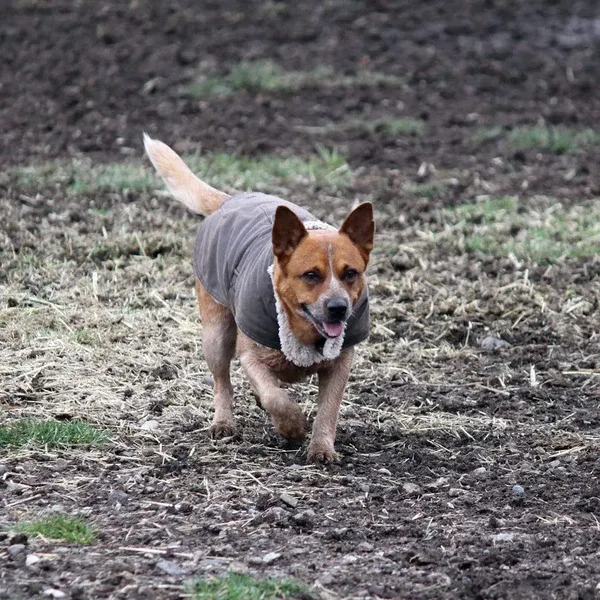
[314, 252]
[198, 196]
[296, 251]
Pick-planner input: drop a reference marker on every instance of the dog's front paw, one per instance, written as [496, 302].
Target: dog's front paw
[322, 452]
[291, 423]
[222, 429]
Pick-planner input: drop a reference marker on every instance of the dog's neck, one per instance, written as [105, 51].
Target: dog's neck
[303, 355]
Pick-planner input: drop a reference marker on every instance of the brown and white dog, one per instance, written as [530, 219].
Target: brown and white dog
[283, 291]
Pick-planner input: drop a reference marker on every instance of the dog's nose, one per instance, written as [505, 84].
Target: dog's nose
[336, 309]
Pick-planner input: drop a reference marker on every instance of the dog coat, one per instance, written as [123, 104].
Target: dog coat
[233, 260]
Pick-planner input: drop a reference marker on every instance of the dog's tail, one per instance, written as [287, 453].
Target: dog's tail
[182, 183]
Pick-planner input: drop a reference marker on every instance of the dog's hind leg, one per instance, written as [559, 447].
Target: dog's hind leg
[218, 341]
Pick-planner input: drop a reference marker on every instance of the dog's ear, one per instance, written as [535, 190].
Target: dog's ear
[288, 231]
[360, 228]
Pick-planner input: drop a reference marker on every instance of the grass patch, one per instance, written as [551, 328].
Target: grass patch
[328, 167]
[488, 134]
[557, 140]
[266, 76]
[238, 586]
[540, 234]
[81, 177]
[49, 434]
[432, 189]
[59, 527]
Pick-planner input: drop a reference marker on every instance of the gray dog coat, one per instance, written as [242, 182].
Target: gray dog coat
[233, 260]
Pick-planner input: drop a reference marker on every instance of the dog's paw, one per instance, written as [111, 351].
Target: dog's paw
[222, 429]
[322, 453]
[291, 423]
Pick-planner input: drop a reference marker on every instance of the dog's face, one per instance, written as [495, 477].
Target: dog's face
[319, 275]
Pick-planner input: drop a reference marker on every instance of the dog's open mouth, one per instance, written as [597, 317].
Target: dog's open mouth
[333, 330]
[328, 329]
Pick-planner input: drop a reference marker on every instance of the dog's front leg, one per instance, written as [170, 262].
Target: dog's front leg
[332, 382]
[287, 416]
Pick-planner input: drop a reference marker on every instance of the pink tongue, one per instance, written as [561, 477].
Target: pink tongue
[333, 329]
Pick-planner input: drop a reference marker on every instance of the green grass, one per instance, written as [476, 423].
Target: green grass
[488, 134]
[328, 167]
[237, 586]
[266, 76]
[49, 434]
[550, 139]
[59, 527]
[431, 189]
[82, 177]
[79, 177]
[557, 140]
[540, 234]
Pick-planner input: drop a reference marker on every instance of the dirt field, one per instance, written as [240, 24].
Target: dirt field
[470, 431]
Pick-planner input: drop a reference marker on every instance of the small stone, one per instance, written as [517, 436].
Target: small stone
[456, 492]
[56, 509]
[255, 560]
[118, 498]
[411, 488]
[326, 579]
[289, 499]
[275, 514]
[384, 471]
[31, 560]
[338, 534]
[209, 381]
[518, 490]
[184, 508]
[271, 557]
[491, 343]
[53, 593]
[365, 547]
[236, 566]
[305, 518]
[554, 464]
[16, 551]
[504, 536]
[479, 471]
[169, 567]
[349, 559]
[402, 262]
[151, 425]
[3, 469]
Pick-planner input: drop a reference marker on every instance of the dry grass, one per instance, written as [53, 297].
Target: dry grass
[99, 322]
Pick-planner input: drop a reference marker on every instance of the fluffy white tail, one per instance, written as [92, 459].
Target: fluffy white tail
[182, 183]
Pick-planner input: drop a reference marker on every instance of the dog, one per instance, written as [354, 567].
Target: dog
[283, 291]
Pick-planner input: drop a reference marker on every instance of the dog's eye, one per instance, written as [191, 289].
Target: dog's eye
[350, 275]
[311, 277]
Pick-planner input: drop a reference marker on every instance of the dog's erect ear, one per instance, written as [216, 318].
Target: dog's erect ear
[360, 228]
[288, 231]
